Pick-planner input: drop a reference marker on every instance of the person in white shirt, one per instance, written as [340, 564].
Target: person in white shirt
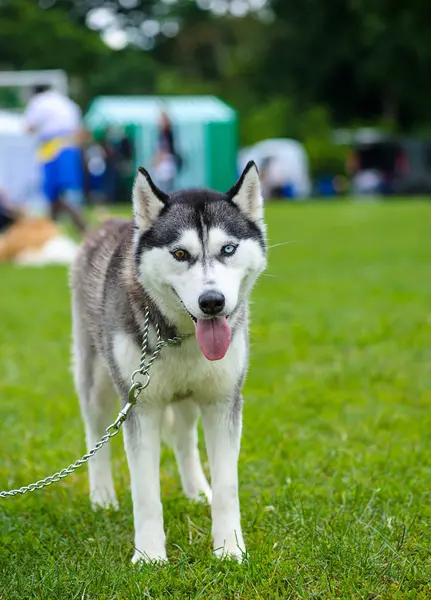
[167, 160]
[56, 120]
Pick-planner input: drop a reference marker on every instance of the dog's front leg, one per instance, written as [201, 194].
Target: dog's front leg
[142, 443]
[222, 427]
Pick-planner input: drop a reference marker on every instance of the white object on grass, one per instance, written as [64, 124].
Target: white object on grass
[60, 250]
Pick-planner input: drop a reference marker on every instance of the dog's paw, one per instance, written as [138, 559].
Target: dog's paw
[104, 498]
[202, 494]
[197, 488]
[150, 556]
[233, 548]
[238, 555]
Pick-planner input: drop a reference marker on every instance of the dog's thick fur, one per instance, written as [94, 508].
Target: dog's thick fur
[176, 251]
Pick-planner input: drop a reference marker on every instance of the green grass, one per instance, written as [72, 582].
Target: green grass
[335, 468]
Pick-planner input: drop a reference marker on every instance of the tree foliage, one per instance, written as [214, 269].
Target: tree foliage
[350, 61]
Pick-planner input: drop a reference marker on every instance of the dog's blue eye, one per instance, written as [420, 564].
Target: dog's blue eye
[228, 250]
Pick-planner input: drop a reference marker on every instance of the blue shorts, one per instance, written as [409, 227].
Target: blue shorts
[64, 175]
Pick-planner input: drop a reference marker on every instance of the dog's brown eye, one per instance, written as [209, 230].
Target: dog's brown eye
[181, 254]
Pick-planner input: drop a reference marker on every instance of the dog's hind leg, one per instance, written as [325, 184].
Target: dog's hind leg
[184, 416]
[98, 412]
[97, 399]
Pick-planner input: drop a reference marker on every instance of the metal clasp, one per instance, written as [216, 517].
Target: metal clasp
[134, 392]
[140, 384]
[122, 415]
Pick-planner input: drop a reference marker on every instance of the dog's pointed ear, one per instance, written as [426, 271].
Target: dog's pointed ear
[247, 193]
[148, 200]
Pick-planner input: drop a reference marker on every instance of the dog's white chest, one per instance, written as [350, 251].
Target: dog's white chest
[182, 371]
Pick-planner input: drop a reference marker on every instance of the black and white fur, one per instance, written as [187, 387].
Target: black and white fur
[127, 266]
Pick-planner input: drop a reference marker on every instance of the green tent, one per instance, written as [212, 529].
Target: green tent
[205, 131]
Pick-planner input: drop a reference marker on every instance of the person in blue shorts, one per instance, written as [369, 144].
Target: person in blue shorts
[56, 120]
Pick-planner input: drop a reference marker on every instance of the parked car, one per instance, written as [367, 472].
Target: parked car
[400, 166]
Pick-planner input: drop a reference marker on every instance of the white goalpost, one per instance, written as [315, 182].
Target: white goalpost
[56, 78]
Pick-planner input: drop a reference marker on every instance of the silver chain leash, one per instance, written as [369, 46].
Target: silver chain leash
[135, 391]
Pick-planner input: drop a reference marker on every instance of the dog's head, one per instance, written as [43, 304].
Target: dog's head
[199, 252]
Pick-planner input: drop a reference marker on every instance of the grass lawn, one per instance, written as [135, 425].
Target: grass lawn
[335, 467]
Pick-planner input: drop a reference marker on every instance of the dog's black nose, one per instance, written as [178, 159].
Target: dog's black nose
[211, 303]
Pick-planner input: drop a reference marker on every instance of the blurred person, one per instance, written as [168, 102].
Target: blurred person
[110, 155]
[95, 170]
[167, 161]
[56, 120]
[367, 183]
[110, 164]
[265, 182]
[273, 178]
[125, 167]
[165, 171]
[100, 157]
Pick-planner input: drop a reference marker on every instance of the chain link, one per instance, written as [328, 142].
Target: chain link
[135, 390]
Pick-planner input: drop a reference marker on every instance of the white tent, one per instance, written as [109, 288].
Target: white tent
[19, 172]
[288, 163]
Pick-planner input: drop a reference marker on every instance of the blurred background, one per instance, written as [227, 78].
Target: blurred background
[330, 99]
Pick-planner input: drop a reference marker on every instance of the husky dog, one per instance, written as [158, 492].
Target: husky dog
[189, 258]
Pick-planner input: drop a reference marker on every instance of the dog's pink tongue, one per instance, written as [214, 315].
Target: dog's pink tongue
[213, 336]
